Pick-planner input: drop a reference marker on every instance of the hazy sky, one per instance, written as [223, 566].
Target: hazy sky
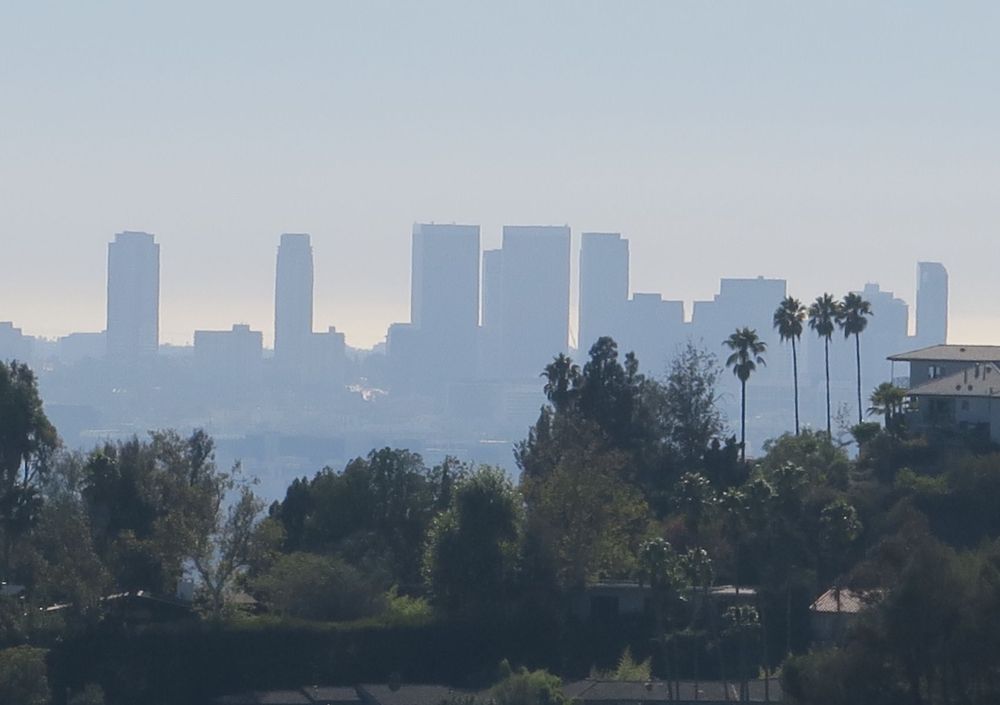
[828, 143]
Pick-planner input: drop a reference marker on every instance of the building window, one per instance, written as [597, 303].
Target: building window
[935, 371]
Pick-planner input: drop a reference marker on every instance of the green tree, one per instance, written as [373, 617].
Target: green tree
[562, 380]
[471, 547]
[840, 527]
[27, 440]
[788, 321]
[662, 569]
[748, 353]
[852, 317]
[589, 517]
[690, 412]
[887, 399]
[523, 687]
[24, 676]
[151, 504]
[823, 316]
[325, 588]
[221, 556]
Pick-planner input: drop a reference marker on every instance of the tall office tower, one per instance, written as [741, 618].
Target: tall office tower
[490, 335]
[535, 298]
[133, 328]
[293, 299]
[444, 300]
[603, 287]
[932, 303]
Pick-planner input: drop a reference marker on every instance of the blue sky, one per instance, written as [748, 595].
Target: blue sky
[827, 143]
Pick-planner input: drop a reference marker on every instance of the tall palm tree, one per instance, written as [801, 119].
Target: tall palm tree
[852, 320]
[788, 320]
[823, 314]
[748, 351]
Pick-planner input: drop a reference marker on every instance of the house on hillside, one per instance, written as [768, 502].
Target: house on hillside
[831, 616]
[609, 600]
[954, 386]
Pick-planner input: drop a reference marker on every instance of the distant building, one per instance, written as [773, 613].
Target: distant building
[535, 298]
[604, 287]
[133, 329]
[14, 345]
[832, 614]
[932, 304]
[956, 387]
[293, 299]
[75, 347]
[653, 329]
[231, 355]
[444, 301]
[491, 316]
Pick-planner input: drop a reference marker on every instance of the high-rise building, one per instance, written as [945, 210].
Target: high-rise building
[604, 261]
[14, 345]
[293, 299]
[133, 328]
[492, 315]
[535, 298]
[932, 303]
[444, 304]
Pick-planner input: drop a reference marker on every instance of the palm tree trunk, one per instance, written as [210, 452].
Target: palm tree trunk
[795, 382]
[743, 422]
[857, 356]
[826, 354]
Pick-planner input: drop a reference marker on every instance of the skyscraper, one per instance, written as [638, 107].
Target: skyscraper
[293, 299]
[133, 296]
[535, 298]
[444, 300]
[932, 303]
[603, 287]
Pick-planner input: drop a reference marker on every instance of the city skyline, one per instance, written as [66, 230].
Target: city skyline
[772, 139]
[265, 321]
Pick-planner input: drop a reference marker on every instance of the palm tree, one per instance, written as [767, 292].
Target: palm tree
[788, 320]
[887, 399]
[852, 320]
[748, 351]
[823, 314]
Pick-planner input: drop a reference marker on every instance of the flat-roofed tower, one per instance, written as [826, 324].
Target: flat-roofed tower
[133, 323]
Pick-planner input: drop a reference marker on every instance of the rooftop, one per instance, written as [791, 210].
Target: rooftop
[598, 691]
[951, 353]
[851, 601]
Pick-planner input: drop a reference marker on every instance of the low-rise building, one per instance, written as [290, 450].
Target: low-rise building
[954, 386]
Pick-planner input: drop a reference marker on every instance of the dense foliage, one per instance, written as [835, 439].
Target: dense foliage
[624, 477]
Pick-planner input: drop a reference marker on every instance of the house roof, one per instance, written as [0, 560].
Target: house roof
[331, 694]
[599, 691]
[951, 353]
[409, 694]
[982, 380]
[851, 601]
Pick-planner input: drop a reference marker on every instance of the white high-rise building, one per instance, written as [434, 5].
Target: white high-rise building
[133, 325]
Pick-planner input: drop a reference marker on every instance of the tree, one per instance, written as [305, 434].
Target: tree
[852, 319]
[839, 529]
[887, 399]
[325, 588]
[523, 687]
[23, 676]
[788, 320]
[229, 550]
[27, 440]
[151, 505]
[562, 378]
[748, 351]
[585, 512]
[823, 315]
[691, 417]
[662, 569]
[471, 546]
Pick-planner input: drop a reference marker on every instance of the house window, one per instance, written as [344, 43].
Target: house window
[935, 371]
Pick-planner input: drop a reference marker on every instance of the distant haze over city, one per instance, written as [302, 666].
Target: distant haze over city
[775, 139]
